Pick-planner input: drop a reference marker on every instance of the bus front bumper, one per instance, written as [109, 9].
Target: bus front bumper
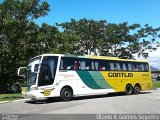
[33, 95]
[40, 94]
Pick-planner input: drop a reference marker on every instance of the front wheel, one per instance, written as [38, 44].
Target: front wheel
[137, 89]
[66, 94]
[129, 89]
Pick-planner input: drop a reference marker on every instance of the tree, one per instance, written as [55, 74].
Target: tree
[145, 40]
[90, 33]
[120, 40]
[47, 38]
[126, 40]
[18, 35]
[66, 43]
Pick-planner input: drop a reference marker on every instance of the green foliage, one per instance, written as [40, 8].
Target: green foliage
[18, 37]
[90, 33]
[66, 43]
[47, 38]
[102, 38]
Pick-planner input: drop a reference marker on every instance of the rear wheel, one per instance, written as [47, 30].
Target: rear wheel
[137, 89]
[66, 94]
[129, 89]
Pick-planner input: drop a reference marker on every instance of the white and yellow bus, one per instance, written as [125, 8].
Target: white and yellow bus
[65, 76]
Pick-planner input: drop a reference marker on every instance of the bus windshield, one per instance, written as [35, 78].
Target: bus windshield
[47, 70]
[32, 70]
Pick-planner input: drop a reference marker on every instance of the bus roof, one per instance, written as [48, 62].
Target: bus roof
[93, 57]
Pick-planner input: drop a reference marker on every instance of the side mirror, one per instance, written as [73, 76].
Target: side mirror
[22, 71]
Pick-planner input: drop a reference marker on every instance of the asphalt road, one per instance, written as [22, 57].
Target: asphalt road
[146, 102]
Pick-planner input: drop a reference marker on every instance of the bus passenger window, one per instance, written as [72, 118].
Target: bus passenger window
[134, 67]
[87, 68]
[111, 65]
[69, 68]
[146, 68]
[82, 65]
[103, 68]
[88, 64]
[100, 68]
[117, 66]
[67, 63]
[107, 67]
[130, 67]
[137, 67]
[142, 67]
[75, 65]
[102, 65]
[92, 66]
[96, 65]
[124, 67]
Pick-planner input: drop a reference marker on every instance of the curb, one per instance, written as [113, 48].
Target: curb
[157, 88]
[4, 102]
[19, 100]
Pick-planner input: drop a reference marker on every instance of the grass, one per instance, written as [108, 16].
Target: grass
[156, 84]
[10, 97]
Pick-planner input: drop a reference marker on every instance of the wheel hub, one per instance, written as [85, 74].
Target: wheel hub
[67, 94]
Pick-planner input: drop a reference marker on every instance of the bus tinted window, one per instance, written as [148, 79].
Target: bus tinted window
[86, 64]
[111, 64]
[130, 67]
[69, 63]
[103, 65]
[47, 70]
[96, 65]
[92, 65]
[146, 67]
[124, 68]
[142, 67]
[82, 64]
[117, 66]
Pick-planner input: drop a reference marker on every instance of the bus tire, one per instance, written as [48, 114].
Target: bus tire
[137, 89]
[66, 94]
[129, 89]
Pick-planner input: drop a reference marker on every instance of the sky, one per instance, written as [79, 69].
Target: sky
[113, 11]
